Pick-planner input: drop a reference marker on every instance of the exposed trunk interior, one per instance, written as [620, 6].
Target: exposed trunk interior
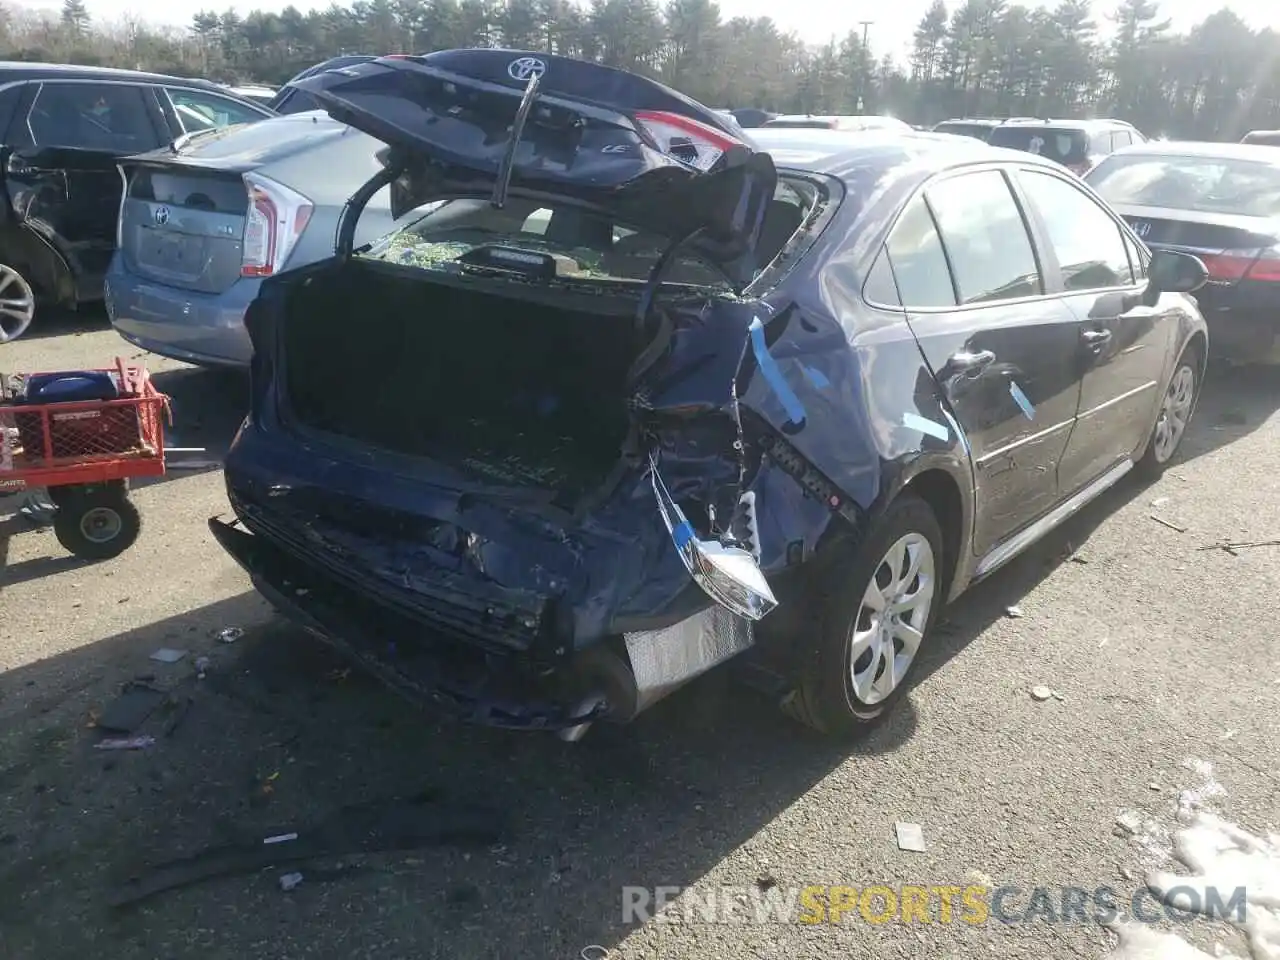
[514, 392]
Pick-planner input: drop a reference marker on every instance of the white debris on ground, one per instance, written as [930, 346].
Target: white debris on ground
[1217, 855]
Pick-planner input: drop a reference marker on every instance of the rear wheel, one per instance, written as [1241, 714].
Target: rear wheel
[874, 612]
[1174, 416]
[97, 524]
[17, 303]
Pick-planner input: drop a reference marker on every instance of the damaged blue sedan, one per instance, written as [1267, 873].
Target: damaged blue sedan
[627, 396]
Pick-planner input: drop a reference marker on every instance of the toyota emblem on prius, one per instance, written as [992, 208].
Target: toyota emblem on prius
[161, 215]
[526, 68]
[1142, 228]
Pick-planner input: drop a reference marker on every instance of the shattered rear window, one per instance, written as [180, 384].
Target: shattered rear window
[587, 247]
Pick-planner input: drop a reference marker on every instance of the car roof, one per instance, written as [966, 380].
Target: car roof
[1049, 123]
[840, 152]
[17, 71]
[1260, 152]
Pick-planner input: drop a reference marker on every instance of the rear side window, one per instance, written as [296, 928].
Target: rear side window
[296, 101]
[919, 264]
[985, 238]
[1120, 138]
[110, 117]
[1062, 146]
[1088, 244]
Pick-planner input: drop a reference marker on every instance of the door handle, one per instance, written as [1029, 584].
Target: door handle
[1096, 339]
[970, 364]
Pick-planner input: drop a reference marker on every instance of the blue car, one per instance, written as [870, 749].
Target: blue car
[627, 396]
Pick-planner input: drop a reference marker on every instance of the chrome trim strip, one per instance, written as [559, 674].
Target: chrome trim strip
[1040, 435]
[1004, 552]
[1124, 396]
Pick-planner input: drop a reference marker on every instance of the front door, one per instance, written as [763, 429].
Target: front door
[1004, 353]
[1124, 346]
[61, 174]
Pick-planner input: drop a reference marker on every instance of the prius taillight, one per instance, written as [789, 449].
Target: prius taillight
[690, 141]
[274, 221]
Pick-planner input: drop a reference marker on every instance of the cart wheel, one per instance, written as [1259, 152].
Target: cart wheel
[97, 525]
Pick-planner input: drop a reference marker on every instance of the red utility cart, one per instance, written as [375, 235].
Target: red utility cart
[83, 435]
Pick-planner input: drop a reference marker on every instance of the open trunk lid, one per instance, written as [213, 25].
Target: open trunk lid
[485, 121]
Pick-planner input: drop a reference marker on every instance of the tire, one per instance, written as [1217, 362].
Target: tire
[1177, 407]
[17, 303]
[97, 524]
[834, 693]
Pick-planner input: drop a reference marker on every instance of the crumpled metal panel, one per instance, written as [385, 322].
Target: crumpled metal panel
[664, 660]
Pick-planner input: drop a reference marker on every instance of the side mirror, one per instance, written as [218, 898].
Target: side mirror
[1173, 272]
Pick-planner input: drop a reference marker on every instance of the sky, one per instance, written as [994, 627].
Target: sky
[815, 21]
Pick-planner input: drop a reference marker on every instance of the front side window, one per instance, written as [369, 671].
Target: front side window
[1087, 242]
[985, 238]
[207, 111]
[109, 117]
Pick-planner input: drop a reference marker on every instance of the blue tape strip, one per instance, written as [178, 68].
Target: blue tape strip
[773, 376]
[1020, 398]
[816, 376]
[682, 534]
[928, 427]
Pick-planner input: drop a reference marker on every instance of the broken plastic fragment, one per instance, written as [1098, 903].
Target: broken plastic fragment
[910, 837]
[230, 634]
[167, 655]
[289, 881]
[125, 743]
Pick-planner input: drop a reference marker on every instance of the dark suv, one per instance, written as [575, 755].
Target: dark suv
[63, 129]
[1076, 144]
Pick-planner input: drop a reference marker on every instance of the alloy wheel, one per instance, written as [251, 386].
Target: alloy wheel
[891, 618]
[17, 304]
[1175, 412]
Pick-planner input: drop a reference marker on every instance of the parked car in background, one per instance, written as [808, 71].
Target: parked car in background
[202, 224]
[807, 122]
[1075, 144]
[256, 93]
[289, 99]
[1269, 138]
[749, 117]
[1220, 201]
[63, 129]
[586, 429]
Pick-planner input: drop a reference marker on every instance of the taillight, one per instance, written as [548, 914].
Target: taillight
[275, 220]
[1266, 267]
[124, 196]
[690, 141]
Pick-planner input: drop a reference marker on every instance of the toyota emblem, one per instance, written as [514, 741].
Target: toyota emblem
[526, 68]
[1142, 228]
[161, 215]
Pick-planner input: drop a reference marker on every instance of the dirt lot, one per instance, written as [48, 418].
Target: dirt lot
[1160, 653]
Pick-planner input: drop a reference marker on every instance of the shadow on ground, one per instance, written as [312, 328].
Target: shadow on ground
[279, 736]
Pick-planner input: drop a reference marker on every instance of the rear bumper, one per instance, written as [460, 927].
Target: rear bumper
[395, 648]
[199, 328]
[1242, 332]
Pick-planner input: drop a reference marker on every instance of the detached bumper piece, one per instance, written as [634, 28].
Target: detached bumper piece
[402, 651]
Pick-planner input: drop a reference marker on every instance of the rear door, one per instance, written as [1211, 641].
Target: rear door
[1004, 352]
[1124, 346]
[61, 172]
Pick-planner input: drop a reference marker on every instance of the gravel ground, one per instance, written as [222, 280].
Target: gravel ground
[1159, 652]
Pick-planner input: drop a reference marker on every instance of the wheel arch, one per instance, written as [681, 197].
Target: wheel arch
[44, 267]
